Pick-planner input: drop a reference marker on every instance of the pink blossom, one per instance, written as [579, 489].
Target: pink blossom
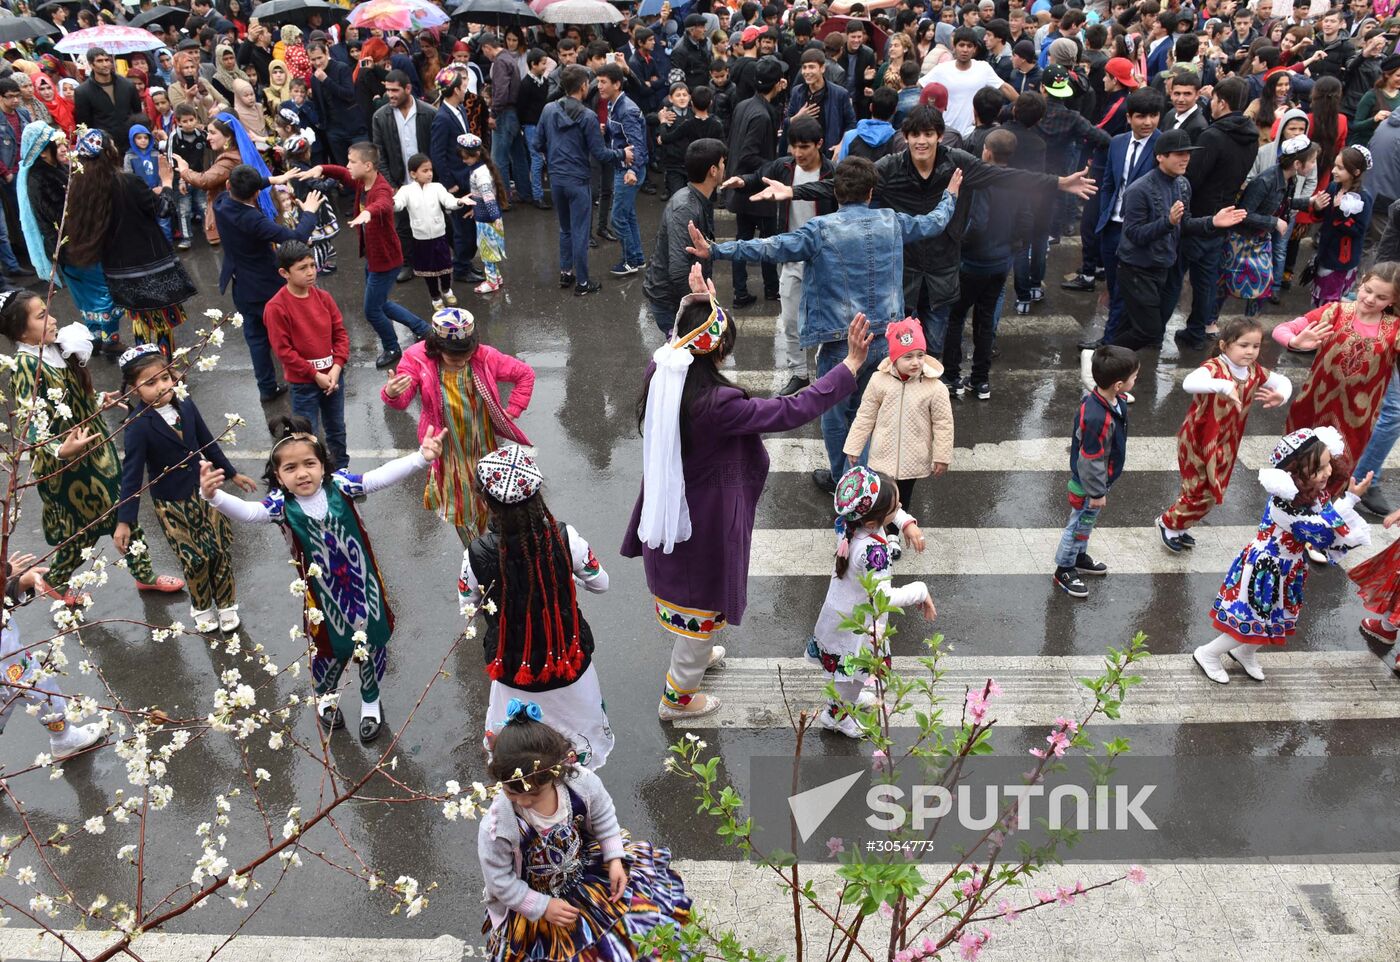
[926, 947]
[904, 955]
[976, 707]
[886, 911]
[971, 887]
[992, 688]
[970, 943]
[1038, 752]
[835, 846]
[879, 761]
[1065, 895]
[1043, 896]
[1067, 724]
[1008, 911]
[1137, 875]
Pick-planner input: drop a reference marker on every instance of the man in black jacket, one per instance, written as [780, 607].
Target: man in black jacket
[1217, 172]
[753, 141]
[667, 277]
[859, 61]
[333, 90]
[105, 100]
[692, 55]
[401, 128]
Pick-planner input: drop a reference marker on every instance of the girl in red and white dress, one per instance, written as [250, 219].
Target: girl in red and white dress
[1208, 441]
[1378, 584]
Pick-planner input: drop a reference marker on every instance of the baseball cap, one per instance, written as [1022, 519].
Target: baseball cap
[1054, 81]
[1173, 142]
[750, 35]
[767, 74]
[1121, 70]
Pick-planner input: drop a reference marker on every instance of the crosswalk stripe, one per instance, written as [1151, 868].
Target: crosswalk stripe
[788, 552]
[1037, 689]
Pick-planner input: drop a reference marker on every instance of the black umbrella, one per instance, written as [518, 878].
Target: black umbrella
[296, 11]
[495, 12]
[15, 29]
[161, 16]
[58, 3]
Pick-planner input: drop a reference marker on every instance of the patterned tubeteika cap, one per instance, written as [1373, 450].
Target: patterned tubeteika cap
[1290, 444]
[289, 116]
[133, 353]
[469, 141]
[300, 141]
[706, 338]
[454, 324]
[90, 143]
[448, 76]
[856, 492]
[509, 474]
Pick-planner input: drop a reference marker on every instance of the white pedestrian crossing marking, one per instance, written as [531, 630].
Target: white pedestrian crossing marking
[1037, 689]
[787, 552]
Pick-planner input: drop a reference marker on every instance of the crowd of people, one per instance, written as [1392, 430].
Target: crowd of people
[892, 168]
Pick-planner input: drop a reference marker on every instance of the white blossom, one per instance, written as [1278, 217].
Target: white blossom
[95, 825]
[26, 876]
[207, 363]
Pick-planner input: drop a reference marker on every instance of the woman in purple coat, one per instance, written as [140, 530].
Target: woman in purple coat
[704, 458]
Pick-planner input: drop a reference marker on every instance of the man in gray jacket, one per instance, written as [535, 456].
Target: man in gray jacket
[667, 277]
[401, 128]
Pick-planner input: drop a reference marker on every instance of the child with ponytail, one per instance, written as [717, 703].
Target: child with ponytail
[866, 503]
[524, 569]
[347, 614]
[562, 880]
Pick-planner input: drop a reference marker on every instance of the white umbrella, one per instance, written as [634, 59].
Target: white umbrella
[581, 11]
[113, 39]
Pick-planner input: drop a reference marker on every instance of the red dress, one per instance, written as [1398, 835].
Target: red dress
[1207, 444]
[1348, 378]
[1378, 583]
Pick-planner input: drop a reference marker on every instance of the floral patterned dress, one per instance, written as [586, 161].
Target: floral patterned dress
[451, 491]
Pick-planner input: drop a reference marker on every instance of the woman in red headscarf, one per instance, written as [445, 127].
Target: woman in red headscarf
[141, 81]
[369, 75]
[59, 108]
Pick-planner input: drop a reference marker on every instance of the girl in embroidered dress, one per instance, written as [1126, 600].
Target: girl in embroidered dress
[537, 645]
[488, 192]
[166, 438]
[1262, 595]
[867, 503]
[347, 614]
[1357, 345]
[1344, 211]
[457, 380]
[1208, 441]
[1378, 584]
[77, 466]
[425, 200]
[564, 883]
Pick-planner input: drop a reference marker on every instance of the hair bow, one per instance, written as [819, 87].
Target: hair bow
[516, 708]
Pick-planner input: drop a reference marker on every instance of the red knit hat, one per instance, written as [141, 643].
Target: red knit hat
[905, 336]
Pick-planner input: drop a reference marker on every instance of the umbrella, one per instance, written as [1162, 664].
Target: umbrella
[581, 11]
[397, 15]
[57, 3]
[115, 40]
[15, 29]
[495, 12]
[296, 11]
[878, 37]
[161, 16]
[651, 8]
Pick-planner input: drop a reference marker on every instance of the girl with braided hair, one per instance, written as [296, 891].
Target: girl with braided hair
[525, 570]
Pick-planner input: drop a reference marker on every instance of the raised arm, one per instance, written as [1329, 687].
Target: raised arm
[586, 566]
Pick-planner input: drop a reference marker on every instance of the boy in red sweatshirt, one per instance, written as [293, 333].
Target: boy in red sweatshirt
[308, 337]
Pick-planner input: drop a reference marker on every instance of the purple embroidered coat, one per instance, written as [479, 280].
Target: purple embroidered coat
[726, 467]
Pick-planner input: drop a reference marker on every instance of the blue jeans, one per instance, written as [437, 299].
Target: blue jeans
[310, 402]
[934, 321]
[463, 227]
[663, 316]
[1108, 257]
[624, 219]
[189, 208]
[381, 312]
[1384, 435]
[836, 421]
[1030, 266]
[8, 262]
[536, 162]
[508, 152]
[573, 205]
[1075, 540]
[1281, 255]
[259, 348]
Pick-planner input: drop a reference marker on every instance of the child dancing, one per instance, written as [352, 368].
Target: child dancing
[1262, 595]
[537, 644]
[347, 614]
[1208, 441]
[488, 193]
[866, 504]
[563, 883]
[1378, 584]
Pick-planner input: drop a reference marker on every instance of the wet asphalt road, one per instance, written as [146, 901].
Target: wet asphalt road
[589, 355]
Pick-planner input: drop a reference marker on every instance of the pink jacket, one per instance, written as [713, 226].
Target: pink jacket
[489, 368]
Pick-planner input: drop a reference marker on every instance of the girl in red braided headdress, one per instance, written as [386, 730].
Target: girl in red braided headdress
[522, 574]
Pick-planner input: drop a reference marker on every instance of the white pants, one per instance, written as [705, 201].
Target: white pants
[790, 298]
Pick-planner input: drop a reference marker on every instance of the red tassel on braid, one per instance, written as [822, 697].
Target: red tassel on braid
[525, 675]
[545, 571]
[550, 644]
[573, 657]
[496, 669]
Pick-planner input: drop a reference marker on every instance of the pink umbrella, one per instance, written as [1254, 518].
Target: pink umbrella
[397, 15]
[115, 40]
[538, 5]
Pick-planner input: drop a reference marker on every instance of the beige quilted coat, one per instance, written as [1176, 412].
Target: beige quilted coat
[909, 424]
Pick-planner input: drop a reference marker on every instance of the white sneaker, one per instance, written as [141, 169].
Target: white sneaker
[847, 725]
[437, 303]
[1127, 398]
[1316, 556]
[1248, 659]
[1086, 368]
[229, 620]
[73, 739]
[1210, 664]
[449, 298]
[717, 653]
[708, 705]
[867, 697]
[205, 620]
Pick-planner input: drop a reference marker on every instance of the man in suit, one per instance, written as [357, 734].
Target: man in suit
[333, 90]
[1186, 113]
[401, 128]
[248, 237]
[449, 123]
[1129, 157]
[859, 61]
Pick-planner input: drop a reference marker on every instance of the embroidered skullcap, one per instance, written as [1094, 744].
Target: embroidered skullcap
[856, 492]
[1366, 152]
[290, 116]
[454, 324]
[1294, 145]
[705, 338]
[134, 353]
[90, 143]
[1290, 445]
[469, 141]
[448, 76]
[300, 141]
[509, 474]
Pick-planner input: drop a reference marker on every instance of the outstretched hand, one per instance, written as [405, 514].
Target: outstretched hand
[699, 283]
[1079, 184]
[858, 338]
[1359, 488]
[776, 190]
[699, 246]
[431, 446]
[211, 479]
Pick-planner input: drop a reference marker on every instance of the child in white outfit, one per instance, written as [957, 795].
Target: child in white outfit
[865, 503]
[425, 200]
